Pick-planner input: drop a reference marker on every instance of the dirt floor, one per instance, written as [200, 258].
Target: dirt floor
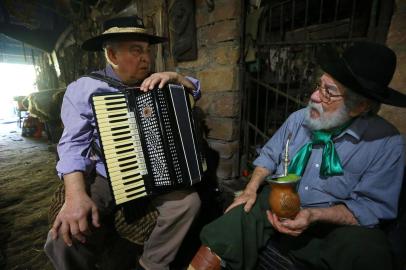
[27, 182]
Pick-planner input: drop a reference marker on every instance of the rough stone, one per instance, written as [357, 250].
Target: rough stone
[205, 102]
[226, 105]
[219, 32]
[226, 150]
[396, 116]
[226, 55]
[222, 128]
[203, 59]
[396, 33]
[396, 41]
[227, 168]
[218, 79]
[228, 9]
[224, 10]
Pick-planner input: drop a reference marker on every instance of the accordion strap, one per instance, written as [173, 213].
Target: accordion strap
[110, 81]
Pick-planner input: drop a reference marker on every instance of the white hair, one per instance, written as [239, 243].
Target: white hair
[353, 100]
[110, 45]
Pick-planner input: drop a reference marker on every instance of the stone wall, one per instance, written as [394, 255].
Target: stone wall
[218, 34]
[396, 40]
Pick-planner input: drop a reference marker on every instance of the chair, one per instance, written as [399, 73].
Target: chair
[20, 109]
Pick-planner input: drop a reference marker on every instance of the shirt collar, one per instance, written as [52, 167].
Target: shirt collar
[357, 128]
[109, 71]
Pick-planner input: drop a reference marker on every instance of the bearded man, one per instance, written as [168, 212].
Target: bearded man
[351, 164]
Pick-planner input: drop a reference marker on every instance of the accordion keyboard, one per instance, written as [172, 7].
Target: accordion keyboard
[121, 146]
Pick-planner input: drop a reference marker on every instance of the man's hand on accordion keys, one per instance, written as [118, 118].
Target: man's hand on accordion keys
[161, 78]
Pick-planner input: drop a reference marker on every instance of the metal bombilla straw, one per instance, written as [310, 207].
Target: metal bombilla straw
[286, 160]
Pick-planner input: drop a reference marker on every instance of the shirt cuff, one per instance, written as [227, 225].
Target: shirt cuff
[70, 165]
[364, 216]
[197, 92]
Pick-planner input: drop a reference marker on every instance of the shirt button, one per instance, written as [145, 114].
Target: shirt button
[306, 188]
[317, 165]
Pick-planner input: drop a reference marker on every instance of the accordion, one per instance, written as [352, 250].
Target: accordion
[147, 141]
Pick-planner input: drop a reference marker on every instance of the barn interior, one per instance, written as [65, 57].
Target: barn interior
[256, 64]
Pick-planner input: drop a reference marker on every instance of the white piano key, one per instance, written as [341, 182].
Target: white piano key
[118, 151]
[99, 97]
[105, 101]
[112, 126]
[119, 179]
[116, 156]
[122, 200]
[110, 106]
[109, 121]
[113, 162]
[124, 174]
[109, 137]
[128, 193]
[120, 185]
[120, 188]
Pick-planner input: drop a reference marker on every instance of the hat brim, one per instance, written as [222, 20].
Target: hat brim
[96, 43]
[331, 63]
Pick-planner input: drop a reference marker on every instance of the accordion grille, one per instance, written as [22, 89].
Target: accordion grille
[153, 140]
[170, 136]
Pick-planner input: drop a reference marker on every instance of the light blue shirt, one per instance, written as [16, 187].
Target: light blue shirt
[74, 148]
[372, 155]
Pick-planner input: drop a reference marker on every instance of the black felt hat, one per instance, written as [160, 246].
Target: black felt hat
[126, 28]
[366, 68]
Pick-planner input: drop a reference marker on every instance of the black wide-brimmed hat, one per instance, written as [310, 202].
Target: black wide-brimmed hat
[128, 28]
[366, 68]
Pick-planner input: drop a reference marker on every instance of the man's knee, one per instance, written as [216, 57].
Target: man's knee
[54, 249]
[193, 204]
[188, 205]
[50, 245]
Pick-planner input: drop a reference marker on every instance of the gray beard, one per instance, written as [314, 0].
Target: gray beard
[333, 120]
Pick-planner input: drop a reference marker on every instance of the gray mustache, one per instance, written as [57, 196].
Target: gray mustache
[316, 106]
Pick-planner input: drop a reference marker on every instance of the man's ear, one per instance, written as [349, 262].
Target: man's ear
[362, 107]
[111, 56]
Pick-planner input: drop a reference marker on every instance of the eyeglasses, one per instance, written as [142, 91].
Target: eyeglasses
[325, 94]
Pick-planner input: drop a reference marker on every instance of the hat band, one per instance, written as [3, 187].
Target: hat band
[125, 30]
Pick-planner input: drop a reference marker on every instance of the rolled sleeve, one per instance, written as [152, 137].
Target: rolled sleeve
[376, 196]
[74, 145]
[197, 92]
[265, 159]
[270, 154]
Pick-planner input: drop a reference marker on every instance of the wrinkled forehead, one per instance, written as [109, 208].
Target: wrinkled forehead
[327, 80]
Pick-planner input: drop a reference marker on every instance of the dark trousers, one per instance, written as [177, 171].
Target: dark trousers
[237, 237]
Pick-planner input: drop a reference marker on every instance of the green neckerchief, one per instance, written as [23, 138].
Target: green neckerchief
[331, 164]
